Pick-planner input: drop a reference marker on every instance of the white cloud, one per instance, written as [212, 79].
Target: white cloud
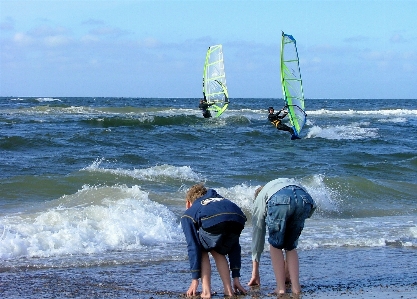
[56, 40]
[150, 42]
[22, 39]
[50, 37]
[89, 39]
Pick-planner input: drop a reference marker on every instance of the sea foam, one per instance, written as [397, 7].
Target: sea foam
[95, 219]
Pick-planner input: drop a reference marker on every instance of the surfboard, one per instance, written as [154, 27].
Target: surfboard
[214, 81]
[292, 85]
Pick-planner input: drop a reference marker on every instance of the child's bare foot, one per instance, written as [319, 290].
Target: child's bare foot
[209, 296]
[295, 291]
[279, 292]
[228, 293]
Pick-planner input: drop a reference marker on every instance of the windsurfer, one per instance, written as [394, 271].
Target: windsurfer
[204, 107]
[276, 120]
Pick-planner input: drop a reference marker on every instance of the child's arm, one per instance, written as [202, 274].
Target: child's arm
[256, 279]
[194, 251]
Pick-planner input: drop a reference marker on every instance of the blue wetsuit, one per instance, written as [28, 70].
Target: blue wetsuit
[213, 223]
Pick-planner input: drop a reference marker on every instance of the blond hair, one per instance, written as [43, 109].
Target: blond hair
[195, 192]
[257, 191]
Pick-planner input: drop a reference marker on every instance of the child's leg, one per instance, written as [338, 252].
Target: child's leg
[287, 273]
[277, 259]
[293, 268]
[223, 268]
[205, 275]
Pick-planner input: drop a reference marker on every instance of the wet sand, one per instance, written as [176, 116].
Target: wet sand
[330, 273]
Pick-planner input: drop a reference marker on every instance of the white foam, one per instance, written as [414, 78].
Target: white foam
[381, 112]
[370, 232]
[154, 173]
[413, 231]
[326, 199]
[95, 219]
[48, 100]
[242, 195]
[353, 131]
[393, 120]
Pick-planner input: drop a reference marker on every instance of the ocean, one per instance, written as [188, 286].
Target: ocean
[92, 191]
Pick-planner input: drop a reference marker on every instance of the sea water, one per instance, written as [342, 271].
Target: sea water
[92, 191]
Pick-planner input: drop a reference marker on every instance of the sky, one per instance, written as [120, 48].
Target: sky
[97, 48]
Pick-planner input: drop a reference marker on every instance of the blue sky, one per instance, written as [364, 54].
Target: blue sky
[347, 49]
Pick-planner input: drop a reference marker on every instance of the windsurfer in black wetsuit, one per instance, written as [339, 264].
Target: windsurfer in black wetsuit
[276, 120]
[204, 106]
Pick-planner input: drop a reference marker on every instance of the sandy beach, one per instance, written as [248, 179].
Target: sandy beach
[395, 277]
[81, 286]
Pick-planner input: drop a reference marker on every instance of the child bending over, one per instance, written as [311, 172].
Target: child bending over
[212, 224]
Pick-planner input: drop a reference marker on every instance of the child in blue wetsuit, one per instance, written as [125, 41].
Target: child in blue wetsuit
[212, 224]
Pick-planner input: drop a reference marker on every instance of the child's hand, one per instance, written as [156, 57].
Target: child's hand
[192, 290]
[254, 281]
[237, 287]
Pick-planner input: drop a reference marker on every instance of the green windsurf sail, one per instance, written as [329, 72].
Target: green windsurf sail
[292, 85]
[214, 81]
